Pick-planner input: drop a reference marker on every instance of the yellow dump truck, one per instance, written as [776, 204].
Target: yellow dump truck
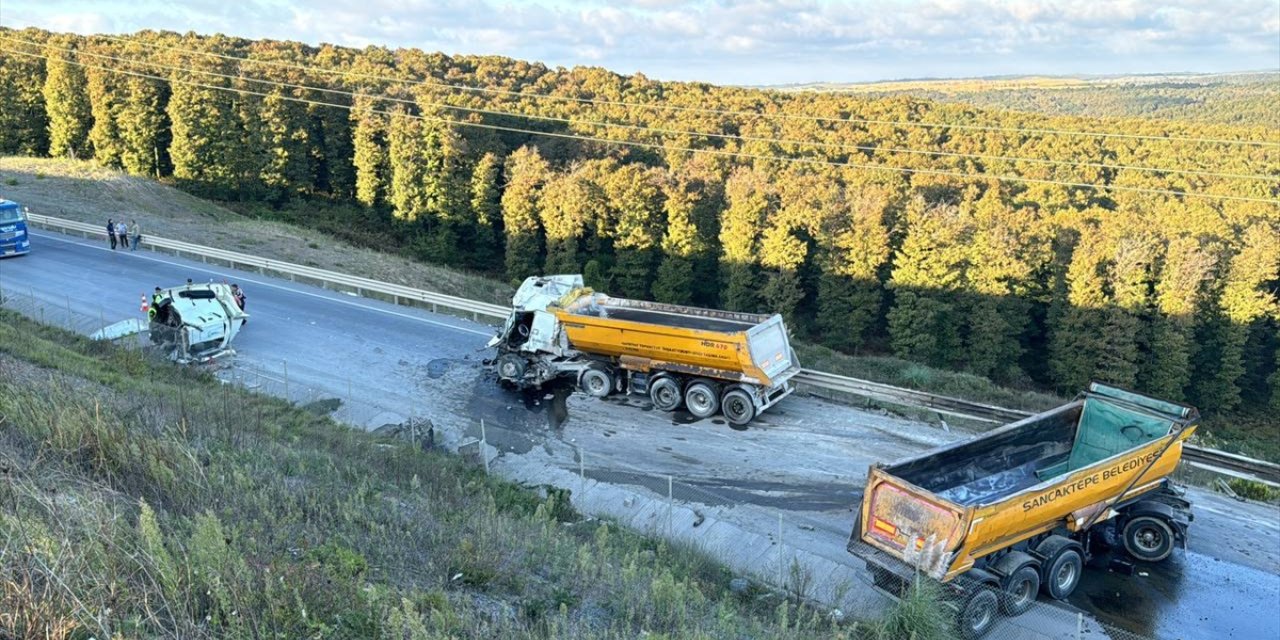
[1018, 510]
[704, 360]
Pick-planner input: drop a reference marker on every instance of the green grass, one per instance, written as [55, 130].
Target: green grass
[141, 499]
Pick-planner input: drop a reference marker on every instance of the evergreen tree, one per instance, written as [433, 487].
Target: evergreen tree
[749, 201]
[680, 243]
[854, 244]
[207, 149]
[407, 193]
[1007, 251]
[526, 173]
[24, 122]
[1245, 299]
[105, 98]
[636, 198]
[567, 201]
[144, 126]
[1180, 292]
[369, 153]
[486, 210]
[927, 271]
[1125, 319]
[1076, 343]
[66, 100]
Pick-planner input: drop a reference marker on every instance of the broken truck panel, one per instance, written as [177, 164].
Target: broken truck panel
[1038, 487]
[703, 358]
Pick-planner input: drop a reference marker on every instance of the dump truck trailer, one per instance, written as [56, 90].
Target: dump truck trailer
[1018, 510]
[705, 360]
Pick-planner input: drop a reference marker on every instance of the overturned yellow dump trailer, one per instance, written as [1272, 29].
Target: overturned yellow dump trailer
[706, 360]
[1017, 511]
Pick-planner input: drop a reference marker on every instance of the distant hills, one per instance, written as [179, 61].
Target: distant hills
[1248, 98]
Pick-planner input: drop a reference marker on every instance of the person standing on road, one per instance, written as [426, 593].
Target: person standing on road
[238, 295]
[122, 230]
[137, 234]
[111, 233]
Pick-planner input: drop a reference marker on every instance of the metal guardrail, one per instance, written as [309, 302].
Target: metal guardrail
[910, 397]
[1232, 464]
[1220, 461]
[396, 292]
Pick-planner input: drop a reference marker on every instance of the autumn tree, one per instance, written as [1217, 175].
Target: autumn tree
[526, 174]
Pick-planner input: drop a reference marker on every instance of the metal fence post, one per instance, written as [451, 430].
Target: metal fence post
[286, 380]
[670, 502]
[484, 442]
[781, 563]
[1079, 625]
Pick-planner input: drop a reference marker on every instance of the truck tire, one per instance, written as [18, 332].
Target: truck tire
[511, 367]
[1019, 590]
[665, 393]
[596, 382]
[1148, 538]
[737, 407]
[701, 399]
[978, 614]
[1062, 573]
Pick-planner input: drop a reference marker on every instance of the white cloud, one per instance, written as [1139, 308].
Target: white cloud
[743, 40]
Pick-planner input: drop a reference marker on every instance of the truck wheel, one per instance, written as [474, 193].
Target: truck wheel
[978, 615]
[1020, 590]
[1063, 574]
[596, 382]
[738, 407]
[511, 367]
[1148, 538]
[701, 400]
[665, 394]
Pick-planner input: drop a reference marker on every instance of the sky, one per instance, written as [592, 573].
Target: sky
[749, 42]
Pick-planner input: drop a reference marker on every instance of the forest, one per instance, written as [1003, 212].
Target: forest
[1228, 98]
[1039, 251]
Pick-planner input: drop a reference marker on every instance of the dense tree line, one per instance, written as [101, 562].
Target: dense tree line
[1023, 282]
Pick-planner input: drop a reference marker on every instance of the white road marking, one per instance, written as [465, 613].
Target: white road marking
[273, 286]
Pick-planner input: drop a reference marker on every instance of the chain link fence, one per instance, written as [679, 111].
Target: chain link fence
[796, 554]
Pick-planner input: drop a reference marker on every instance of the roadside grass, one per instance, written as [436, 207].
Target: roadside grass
[141, 499]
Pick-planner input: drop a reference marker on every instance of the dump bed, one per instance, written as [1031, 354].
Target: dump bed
[1064, 468]
[744, 347]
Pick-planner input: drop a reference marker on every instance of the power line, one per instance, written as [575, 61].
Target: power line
[664, 131]
[706, 110]
[648, 145]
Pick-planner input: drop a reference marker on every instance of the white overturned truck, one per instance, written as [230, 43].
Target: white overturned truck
[705, 360]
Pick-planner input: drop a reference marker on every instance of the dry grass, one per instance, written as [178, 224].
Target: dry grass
[144, 500]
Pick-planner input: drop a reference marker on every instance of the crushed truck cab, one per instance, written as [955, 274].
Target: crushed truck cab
[196, 322]
[1018, 509]
[705, 360]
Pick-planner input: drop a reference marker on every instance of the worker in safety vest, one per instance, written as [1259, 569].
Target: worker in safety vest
[155, 302]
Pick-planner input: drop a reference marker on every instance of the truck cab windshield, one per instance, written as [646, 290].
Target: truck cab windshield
[10, 215]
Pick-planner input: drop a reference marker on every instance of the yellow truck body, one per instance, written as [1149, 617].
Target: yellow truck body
[706, 360]
[1020, 495]
[646, 336]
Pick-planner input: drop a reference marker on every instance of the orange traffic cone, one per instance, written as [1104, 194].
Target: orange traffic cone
[145, 306]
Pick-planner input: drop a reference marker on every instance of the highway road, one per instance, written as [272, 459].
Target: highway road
[806, 458]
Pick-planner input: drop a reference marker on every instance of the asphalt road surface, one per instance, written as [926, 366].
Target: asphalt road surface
[805, 457]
